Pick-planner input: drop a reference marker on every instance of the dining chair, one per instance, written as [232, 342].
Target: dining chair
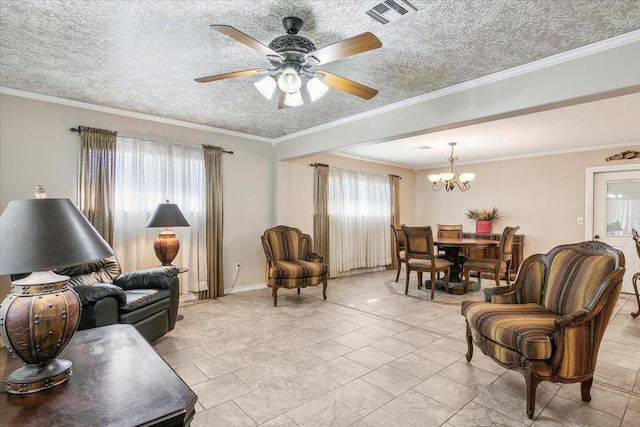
[636, 277]
[420, 257]
[495, 266]
[450, 231]
[399, 246]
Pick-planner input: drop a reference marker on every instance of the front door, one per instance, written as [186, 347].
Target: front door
[616, 210]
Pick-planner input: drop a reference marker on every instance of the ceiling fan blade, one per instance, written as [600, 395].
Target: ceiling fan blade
[230, 75]
[281, 99]
[352, 46]
[347, 85]
[245, 40]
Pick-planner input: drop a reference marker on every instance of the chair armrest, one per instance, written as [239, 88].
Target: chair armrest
[267, 251]
[315, 257]
[152, 278]
[90, 294]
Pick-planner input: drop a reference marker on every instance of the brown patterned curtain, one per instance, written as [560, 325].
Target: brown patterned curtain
[97, 178]
[320, 211]
[214, 220]
[394, 183]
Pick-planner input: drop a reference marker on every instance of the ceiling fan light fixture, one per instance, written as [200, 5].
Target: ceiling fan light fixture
[266, 86]
[316, 89]
[293, 99]
[289, 81]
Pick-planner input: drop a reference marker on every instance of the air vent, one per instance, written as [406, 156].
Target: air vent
[389, 11]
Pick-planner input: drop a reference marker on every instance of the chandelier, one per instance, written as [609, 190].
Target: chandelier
[451, 177]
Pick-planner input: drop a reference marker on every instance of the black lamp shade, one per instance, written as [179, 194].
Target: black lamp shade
[167, 215]
[47, 234]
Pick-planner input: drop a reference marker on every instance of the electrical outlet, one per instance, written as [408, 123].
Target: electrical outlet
[237, 267]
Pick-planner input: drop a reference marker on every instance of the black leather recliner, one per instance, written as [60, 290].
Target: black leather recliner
[147, 299]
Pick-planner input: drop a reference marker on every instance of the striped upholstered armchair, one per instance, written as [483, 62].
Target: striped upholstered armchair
[549, 323]
[291, 261]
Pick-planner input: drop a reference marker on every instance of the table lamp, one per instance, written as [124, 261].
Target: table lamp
[167, 244]
[40, 315]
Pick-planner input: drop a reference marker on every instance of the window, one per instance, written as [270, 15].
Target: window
[359, 208]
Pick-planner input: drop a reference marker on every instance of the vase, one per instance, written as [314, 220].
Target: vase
[483, 227]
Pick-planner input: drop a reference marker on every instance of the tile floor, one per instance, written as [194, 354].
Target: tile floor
[371, 356]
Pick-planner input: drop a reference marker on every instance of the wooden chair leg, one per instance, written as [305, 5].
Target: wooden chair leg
[419, 279]
[298, 291]
[585, 390]
[532, 379]
[496, 277]
[274, 293]
[433, 283]
[636, 278]
[324, 289]
[398, 274]
[406, 285]
[469, 354]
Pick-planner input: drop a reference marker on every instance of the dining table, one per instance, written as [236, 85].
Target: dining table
[452, 249]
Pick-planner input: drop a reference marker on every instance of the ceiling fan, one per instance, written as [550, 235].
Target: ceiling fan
[294, 59]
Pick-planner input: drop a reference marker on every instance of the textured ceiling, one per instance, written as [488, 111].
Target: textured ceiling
[142, 56]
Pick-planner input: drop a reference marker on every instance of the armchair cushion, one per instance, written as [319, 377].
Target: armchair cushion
[525, 328]
[143, 297]
[297, 269]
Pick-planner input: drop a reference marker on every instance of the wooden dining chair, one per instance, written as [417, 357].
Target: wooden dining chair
[399, 246]
[450, 231]
[420, 257]
[495, 266]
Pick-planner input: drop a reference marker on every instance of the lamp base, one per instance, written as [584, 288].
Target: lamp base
[37, 320]
[35, 378]
[166, 247]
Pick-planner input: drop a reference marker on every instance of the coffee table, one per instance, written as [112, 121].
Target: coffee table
[118, 380]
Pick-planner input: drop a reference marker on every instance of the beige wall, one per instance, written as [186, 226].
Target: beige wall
[544, 195]
[295, 188]
[37, 148]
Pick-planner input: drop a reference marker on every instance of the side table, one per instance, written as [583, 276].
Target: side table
[118, 380]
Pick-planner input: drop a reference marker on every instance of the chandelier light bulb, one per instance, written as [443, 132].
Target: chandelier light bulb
[466, 177]
[289, 81]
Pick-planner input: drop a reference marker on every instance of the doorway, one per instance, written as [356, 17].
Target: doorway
[612, 210]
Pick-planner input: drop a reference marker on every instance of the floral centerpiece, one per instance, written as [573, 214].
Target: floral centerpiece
[483, 219]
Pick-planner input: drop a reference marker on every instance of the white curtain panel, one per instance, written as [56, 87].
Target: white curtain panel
[149, 173]
[359, 216]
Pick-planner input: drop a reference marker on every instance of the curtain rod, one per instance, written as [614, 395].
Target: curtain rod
[371, 173]
[152, 140]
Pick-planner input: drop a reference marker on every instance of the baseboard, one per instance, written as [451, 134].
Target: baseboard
[246, 288]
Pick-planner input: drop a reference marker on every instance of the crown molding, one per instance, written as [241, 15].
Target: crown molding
[126, 113]
[540, 64]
